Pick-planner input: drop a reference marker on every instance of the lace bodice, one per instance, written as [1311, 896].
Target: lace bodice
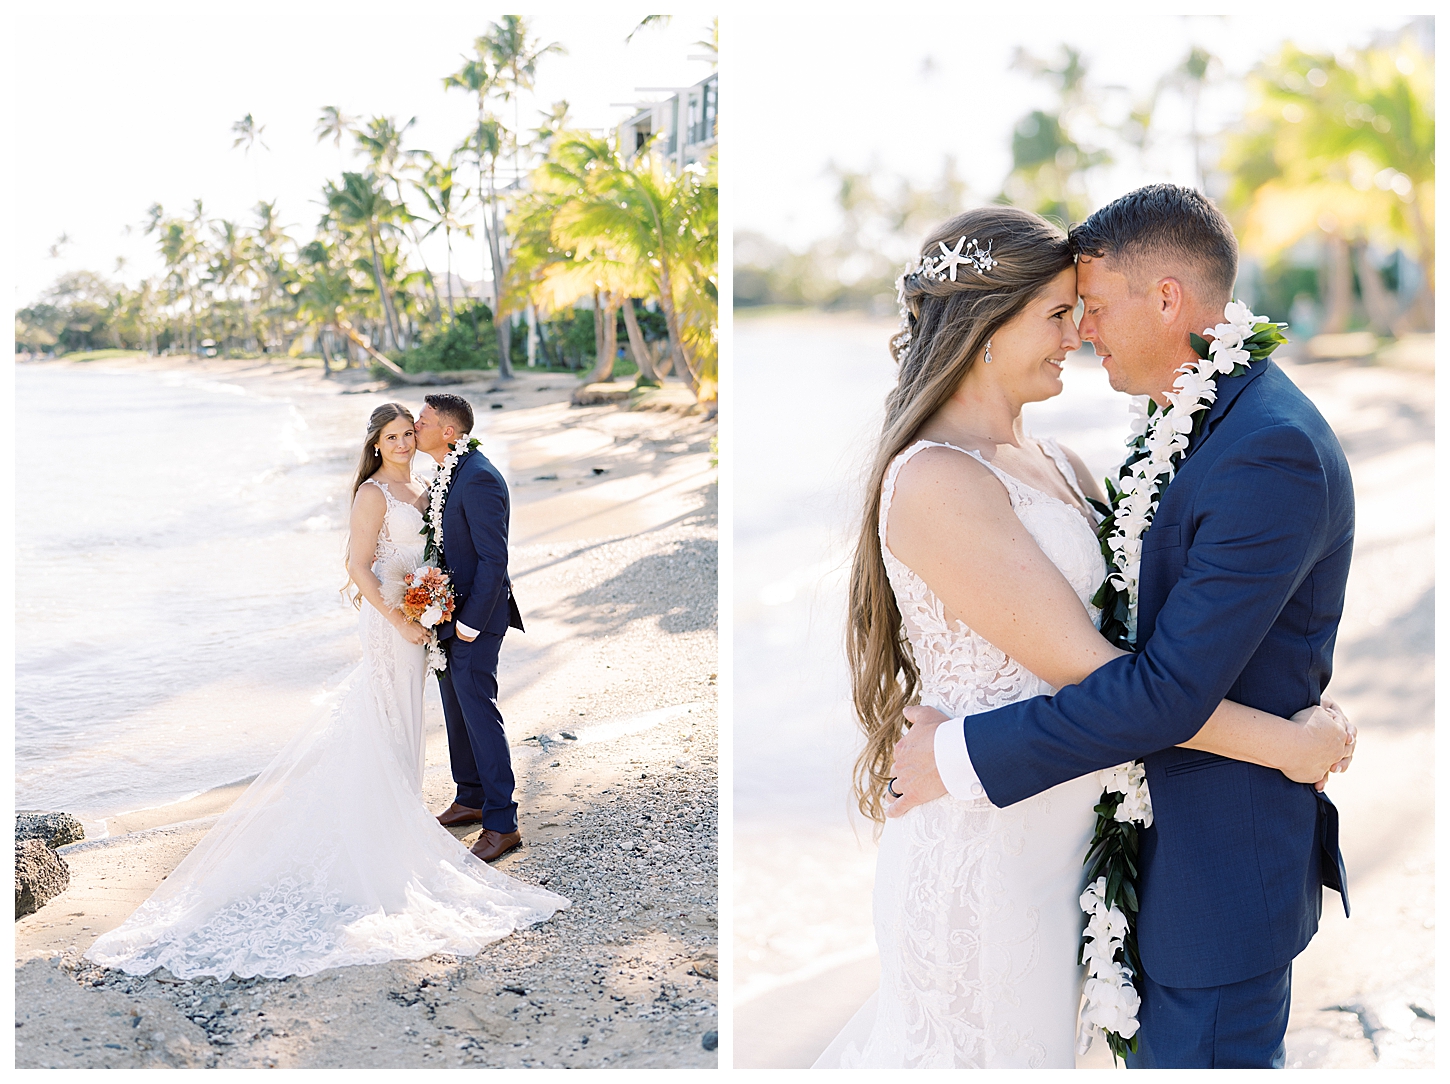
[962, 673]
[401, 526]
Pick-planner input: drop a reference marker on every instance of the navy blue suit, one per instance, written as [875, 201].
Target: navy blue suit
[1242, 588]
[475, 552]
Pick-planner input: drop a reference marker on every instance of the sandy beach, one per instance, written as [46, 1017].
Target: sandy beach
[613, 556]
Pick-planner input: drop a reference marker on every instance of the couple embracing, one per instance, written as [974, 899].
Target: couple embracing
[981, 566]
[330, 857]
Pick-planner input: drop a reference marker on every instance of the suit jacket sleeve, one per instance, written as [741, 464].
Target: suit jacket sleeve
[487, 510]
[1258, 521]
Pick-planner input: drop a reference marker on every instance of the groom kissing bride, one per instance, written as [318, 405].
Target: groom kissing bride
[469, 513]
[1218, 558]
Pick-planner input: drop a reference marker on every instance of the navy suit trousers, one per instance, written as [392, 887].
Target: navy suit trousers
[477, 744]
[1238, 1026]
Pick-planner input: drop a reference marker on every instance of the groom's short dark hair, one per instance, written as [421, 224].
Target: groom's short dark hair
[1164, 224]
[454, 408]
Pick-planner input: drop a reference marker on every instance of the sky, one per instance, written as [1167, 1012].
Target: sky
[119, 106]
[904, 93]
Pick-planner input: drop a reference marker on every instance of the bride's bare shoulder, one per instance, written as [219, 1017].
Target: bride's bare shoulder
[369, 500]
[942, 493]
[939, 473]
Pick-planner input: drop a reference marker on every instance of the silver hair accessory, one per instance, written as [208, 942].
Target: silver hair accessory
[938, 269]
[988, 358]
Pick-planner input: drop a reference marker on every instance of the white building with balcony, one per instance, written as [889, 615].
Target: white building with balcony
[682, 125]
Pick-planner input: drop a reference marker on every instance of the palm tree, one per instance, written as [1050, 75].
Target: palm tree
[272, 266]
[1342, 148]
[516, 57]
[333, 124]
[323, 290]
[437, 187]
[248, 132]
[382, 141]
[481, 75]
[664, 222]
[360, 204]
[503, 66]
[627, 230]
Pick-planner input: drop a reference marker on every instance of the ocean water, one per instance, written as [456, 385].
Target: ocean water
[179, 559]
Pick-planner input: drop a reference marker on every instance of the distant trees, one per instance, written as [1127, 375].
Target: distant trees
[594, 224]
[1339, 150]
[609, 233]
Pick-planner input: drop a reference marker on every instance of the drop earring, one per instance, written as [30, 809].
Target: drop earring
[988, 358]
[378, 455]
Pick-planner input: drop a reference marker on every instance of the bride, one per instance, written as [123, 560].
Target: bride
[973, 573]
[330, 857]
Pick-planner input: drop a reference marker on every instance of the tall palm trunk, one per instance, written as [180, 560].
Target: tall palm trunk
[642, 359]
[1338, 288]
[1379, 305]
[681, 356]
[326, 353]
[678, 355]
[609, 337]
[1420, 315]
[448, 236]
[495, 253]
[389, 315]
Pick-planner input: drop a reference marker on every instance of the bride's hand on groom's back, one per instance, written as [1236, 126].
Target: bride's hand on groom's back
[1328, 745]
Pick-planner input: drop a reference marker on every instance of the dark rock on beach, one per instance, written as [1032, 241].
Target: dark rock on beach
[40, 876]
[53, 829]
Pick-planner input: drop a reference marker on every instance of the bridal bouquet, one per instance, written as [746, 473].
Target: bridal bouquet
[424, 594]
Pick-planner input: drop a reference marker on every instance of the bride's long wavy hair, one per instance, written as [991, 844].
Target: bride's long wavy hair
[367, 465]
[950, 324]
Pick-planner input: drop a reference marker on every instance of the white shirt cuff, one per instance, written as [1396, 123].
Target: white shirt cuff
[472, 634]
[954, 764]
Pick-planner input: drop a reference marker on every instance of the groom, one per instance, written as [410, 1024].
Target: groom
[1242, 587]
[475, 553]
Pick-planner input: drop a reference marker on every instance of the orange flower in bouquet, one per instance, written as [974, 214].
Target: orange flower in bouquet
[428, 598]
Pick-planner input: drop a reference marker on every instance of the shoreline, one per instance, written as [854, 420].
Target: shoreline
[612, 551]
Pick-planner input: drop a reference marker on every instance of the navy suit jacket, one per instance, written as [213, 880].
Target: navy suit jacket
[476, 547]
[1241, 591]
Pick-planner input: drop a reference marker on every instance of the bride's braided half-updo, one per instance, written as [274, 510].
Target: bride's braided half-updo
[950, 323]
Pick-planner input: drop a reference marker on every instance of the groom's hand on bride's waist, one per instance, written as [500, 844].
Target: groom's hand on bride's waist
[916, 778]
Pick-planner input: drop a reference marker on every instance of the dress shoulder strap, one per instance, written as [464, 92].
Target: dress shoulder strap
[386, 492]
[1064, 465]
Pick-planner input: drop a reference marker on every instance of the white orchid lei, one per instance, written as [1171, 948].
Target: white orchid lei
[1157, 445]
[438, 495]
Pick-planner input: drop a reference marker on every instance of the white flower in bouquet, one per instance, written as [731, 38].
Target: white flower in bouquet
[431, 616]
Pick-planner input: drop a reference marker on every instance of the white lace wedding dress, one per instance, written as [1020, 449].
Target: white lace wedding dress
[976, 908]
[330, 857]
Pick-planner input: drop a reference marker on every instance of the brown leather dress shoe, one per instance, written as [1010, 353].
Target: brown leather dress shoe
[457, 815]
[493, 844]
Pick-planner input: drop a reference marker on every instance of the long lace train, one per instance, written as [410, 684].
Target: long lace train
[330, 857]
